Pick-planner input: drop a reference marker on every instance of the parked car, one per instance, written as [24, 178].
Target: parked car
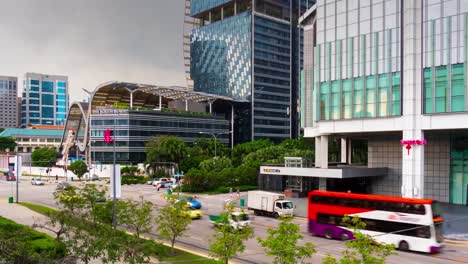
[150, 182]
[62, 186]
[160, 181]
[194, 204]
[95, 177]
[9, 176]
[37, 181]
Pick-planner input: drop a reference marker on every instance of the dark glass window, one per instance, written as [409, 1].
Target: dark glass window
[47, 99]
[47, 87]
[47, 112]
[34, 82]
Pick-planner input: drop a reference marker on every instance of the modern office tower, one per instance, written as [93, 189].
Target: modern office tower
[8, 107]
[250, 50]
[45, 99]
[391, 76]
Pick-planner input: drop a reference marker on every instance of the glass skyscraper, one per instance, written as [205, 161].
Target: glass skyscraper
[250, 50]
[45, 99]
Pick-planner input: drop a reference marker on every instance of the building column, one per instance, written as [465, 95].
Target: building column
[131, 100]
[412, 182]
[324, 152]
[210, 104]
[317, 152]
[344, 149]
[186, 105]
[160, 102]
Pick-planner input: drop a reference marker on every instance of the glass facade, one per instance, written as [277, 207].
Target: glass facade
[136, 128]
[444, 58]
[221, 57]
[45, 100]
[199, 6]
[272, 83]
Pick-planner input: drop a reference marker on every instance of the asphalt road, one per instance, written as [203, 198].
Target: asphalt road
[201, 230]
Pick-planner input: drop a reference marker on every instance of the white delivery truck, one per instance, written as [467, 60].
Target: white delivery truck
[269, 204]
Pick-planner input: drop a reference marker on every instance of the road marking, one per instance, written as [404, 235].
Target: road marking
[197, 238]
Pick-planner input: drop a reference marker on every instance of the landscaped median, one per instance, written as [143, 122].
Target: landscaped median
[157, 248]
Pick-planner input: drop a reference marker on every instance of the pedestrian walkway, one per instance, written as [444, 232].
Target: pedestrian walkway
[22, 215]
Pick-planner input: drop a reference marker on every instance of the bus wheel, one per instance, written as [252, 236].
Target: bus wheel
[328, 234]
[344, 236]
[403, 246]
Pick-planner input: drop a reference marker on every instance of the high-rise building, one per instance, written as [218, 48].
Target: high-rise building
[391, 76]
[45, 99]
[8, 107]
[250, 50]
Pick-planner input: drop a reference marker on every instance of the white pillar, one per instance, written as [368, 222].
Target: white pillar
[211, 104]
[344, 150]
[324, 152]
[160, 102]
[131, 100]
[186, 105]
[412, 164]
[317, 152]
[350, 151]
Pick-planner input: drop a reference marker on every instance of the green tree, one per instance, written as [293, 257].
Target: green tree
[165, 149]
[79, 168]
[363, 249]
[242, 150]
[173, 220]
[227, 241]
[215, 164]
[7, 143]
[282, 243]
[44, 157]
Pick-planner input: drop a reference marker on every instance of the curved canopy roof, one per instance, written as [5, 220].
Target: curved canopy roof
[111, 92]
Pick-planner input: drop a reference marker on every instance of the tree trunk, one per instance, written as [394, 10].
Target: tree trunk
[172, 245]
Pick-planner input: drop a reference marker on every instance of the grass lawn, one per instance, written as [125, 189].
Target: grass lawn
[181, 256]
[38, 208]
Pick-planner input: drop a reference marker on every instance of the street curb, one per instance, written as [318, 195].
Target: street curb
[456, 242]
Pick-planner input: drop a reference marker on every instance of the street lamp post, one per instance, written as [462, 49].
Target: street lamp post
[215, 136]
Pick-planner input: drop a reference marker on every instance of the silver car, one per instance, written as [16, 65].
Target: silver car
[37, 181]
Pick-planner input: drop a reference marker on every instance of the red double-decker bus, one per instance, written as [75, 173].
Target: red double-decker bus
[409, 224]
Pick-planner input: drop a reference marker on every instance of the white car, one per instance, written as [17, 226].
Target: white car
[160, 181]
[37, 181]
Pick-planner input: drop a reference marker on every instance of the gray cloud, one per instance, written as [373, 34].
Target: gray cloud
[93, 41]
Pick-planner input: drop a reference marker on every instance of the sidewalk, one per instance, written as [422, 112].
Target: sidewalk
[22, 215]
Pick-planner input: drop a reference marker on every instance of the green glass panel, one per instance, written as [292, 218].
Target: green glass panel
[335, 86]
[358, 84]
[324, 107]
[396, 110]
[396, 94]
[358, 97]
[324, 88]
[347, 112]
[370, 82]
[370, 96]
[441, 88]
[347, 98]
[347, 85]
[458, 88]
[428, 91]
[370, 110]
[335, 112]
[458, 103]
[428, 106]
[336, 99]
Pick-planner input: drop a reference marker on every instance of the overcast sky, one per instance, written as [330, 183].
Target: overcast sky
[93, 41]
